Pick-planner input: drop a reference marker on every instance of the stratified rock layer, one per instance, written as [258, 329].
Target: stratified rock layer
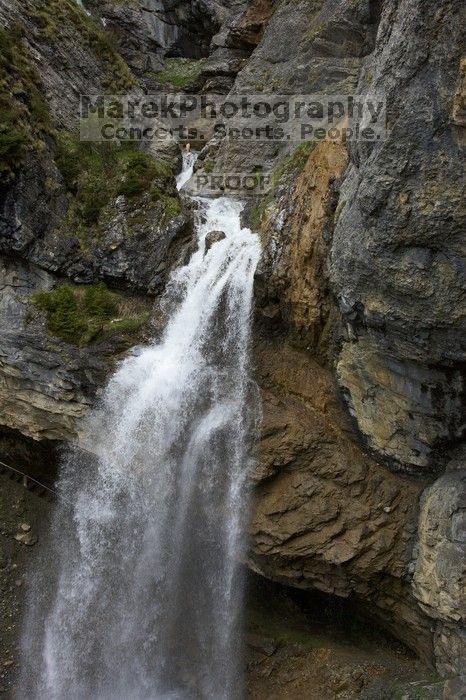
[440, 573]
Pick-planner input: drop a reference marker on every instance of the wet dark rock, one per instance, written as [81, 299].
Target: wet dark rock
[213, 237]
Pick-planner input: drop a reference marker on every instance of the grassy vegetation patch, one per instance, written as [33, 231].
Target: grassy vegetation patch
[171, 204]
[97, 173]
[84, 315]
[180, 71]
[292, 165]
[139, 171]
[258, 211]
[208, 166]
[54, 16]
[24, 112]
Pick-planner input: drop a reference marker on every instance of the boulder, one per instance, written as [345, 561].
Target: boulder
[213, 237]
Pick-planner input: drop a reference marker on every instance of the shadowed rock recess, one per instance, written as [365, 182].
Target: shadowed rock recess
[359, 328]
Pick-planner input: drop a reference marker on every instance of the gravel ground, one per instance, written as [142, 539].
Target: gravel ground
[22, 517]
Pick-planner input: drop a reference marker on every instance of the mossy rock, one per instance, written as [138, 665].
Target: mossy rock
[290, 167]
[293, 163]
[25, 116]
[51, 17]
[180, 71]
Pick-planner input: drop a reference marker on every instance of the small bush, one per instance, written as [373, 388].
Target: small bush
[12, 143]
[98, 301]
[171, 204]
[97, 173]
[84, 315]
[140, 169]
[172, 207]
[61, 307]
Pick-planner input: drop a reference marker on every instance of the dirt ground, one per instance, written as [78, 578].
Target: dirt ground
[22, 516]
[297, 649]
[315, 647]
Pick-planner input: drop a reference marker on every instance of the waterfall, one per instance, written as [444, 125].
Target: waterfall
[140, 592]
[189, 160]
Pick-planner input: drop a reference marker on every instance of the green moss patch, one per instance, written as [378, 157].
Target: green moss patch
[294, 163]
[171, 204]
[208, 166]
[85, 315]
[258, 211]
[180, 71]
[24, 112]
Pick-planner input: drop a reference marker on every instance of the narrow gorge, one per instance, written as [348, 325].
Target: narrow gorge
[232, 423]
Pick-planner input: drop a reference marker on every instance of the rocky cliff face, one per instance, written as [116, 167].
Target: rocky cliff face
[401, 224]
[359, 335]
[378, 382]
[118, 220]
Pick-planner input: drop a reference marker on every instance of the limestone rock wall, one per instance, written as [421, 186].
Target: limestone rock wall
[396, 263]
[363, 270]
[46, 384]
[440, 573]
[46, 387]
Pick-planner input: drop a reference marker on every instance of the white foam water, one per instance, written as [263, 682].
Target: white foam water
[189, 161]
[140, 595]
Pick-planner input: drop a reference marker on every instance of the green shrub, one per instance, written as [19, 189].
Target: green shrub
[12, 143]
[97, 173]
[98, 301]
[172, 207]
[171, 204]
[61, 307]
[82, 315]
[140, 169]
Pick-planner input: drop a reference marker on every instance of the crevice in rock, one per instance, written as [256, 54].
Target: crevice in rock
[307, 626]
[38, 459]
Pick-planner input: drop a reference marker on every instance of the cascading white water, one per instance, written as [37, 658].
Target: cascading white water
[189, 161]
[140, 595]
